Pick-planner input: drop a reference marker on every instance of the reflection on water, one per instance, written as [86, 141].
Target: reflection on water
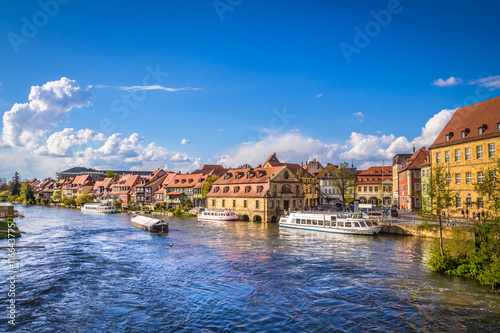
[97, 273]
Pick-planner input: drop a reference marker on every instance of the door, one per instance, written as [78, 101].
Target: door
[286, 204]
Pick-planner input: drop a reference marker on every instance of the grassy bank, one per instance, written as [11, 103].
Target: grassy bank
[4, 227]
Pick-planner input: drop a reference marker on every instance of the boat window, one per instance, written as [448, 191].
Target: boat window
[315, 222]
[362, 224]
[303, 221]
[320, 222]
[327, 223]
[340, 224]
[347, 224]
[309, 222]
[334, 218]
[369, 223]
[356, 225]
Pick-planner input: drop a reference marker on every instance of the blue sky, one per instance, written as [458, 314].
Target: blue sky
[177, 84]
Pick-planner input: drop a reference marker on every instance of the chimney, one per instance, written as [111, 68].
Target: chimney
[413, 148]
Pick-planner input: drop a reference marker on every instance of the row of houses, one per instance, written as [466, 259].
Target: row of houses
[466, 147]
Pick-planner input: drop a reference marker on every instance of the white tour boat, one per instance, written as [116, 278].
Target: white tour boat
[98, 207]
[149, 223]
[346, 223]
[211, 215]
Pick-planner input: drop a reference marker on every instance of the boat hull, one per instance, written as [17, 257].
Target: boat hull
[232, 219]
[370, 231]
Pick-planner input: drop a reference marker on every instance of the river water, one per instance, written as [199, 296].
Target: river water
[97, 273]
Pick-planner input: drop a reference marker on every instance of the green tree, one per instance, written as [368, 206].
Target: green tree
[111, 174]
[68, 201]
[28, 194]
[118, 204]
[56, 195]
[15, 185]
[343, 179]
[489, 189]
[4, 186]
[207, 185]
[83, 199]
[437, 195]
[187, 204]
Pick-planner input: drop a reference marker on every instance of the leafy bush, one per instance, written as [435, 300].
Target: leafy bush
[177, 211]
[490, 275]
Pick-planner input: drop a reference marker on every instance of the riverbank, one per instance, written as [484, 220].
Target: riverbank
[8, 228]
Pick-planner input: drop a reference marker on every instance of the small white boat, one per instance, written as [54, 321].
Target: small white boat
[352, 223]
[149, 223]
[211, 215]
[98, 207]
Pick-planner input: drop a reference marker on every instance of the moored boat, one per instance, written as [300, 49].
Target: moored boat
[98, 207]
[354, 224]
[224, 216]
[149, 223]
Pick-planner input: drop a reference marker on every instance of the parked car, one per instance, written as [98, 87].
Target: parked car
[394, 212]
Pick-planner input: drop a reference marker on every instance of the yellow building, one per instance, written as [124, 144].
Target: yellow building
[258, 194]
[467, 147]
[374, 186]
[309, 182]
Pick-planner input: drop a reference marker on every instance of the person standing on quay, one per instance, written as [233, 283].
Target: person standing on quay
[467, 212]
[463, 213]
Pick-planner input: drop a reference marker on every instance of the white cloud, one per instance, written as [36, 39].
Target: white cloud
[319, 95]
[360, 116]
[366, 149]
[185, 142]
[451, 81]
[492, 82]
[25, 124]
[292, 146]
[152, 87]
[376, 148]
[61, 143]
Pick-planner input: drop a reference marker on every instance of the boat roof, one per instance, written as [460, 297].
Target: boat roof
[144, 220]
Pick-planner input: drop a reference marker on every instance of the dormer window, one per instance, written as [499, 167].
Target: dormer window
[260, 189]
[498, 127]
[176, 181]
[481, 129]
[449, 136]
[183, 181]
[236, 189]
[190, 181]
[465, 132]
[226, 189]
[216, 189]
[247, 189]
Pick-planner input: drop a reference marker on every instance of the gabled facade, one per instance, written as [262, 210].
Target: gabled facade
[313, 167]
[410, 180]
[309, 182]
[123, 188]
[257, 194]
[374, 186]
[74, 187]
[397, 165]
[182, 187]
[143, 193]
[467, 147]
[103, 188]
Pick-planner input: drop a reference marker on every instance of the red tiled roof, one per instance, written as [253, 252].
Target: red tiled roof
[185, 180]
[416, 160]
[471, 117]
[376, 171]
[175, 193]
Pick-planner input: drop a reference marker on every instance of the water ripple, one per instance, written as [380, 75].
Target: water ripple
[99, 274]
